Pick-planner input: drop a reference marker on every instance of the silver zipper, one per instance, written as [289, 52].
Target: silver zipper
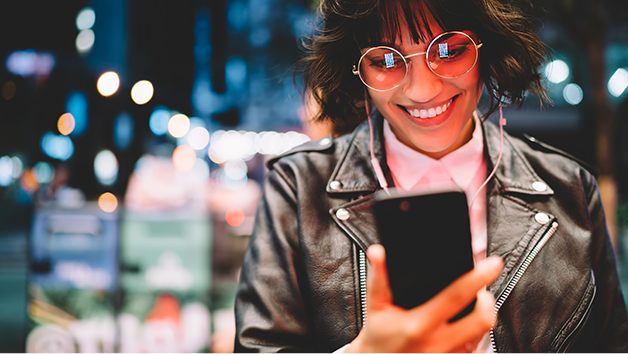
[524, 266]
[362, 270]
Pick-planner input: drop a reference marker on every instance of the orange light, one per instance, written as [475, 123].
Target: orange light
[183, 158]
[28, 181]
[107, 202]
[234, 216]
[8, 90]
[66, 124]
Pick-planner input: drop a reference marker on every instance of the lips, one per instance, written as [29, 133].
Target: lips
[430, 112]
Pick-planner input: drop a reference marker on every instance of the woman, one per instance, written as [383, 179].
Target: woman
[539, 238]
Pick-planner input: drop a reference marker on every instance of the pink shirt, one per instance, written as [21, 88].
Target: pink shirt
[465, 166]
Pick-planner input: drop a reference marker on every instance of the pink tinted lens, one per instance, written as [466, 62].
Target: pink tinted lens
[452, 55]
[382, 68]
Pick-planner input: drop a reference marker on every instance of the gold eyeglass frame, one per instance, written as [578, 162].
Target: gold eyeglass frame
[405, 57]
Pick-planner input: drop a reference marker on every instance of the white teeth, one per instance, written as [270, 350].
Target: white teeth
[429, 113]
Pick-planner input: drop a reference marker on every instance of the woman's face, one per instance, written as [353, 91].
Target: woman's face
[423, 90]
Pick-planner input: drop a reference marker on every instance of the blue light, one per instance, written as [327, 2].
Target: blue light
[44, 172]
[159, 120]
[27, 63]
[235, 73]
[58, 147]
[260, 36]
[123, 131]
[6, 171]
[237, 15]
[77, 105]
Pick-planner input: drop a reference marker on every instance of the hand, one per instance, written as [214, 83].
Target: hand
[425, 328]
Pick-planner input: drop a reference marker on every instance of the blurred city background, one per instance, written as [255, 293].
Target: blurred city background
[132, 149]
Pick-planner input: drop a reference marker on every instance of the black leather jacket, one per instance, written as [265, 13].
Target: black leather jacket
[302, 285]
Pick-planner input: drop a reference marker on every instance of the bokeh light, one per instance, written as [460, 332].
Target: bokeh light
[85, 18]
[618, 82]
[85, 41]
[58, 147]
[17, 166]
[158, 121]
[198, 138]
[108, 202]
[27, 63]
[8, 90]
[573, 94]
[66, 124]
[142, 92]
[106, 167]
[244, 145]
[6, 171]
[77, 105]
[43, 172]
[235, 169]
[183, 158]
[271, 143]
[123, 128]
[178, 125]
[108, 83]
[557, 71]
[234, 216]
[28, 182]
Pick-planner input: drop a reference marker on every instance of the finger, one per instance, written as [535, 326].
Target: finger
[378, 292]
[455, 297]
[470, 329]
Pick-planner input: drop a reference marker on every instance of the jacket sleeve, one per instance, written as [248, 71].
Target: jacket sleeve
[608, 320]
[270, 310]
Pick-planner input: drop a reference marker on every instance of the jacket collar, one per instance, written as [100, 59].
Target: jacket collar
[355, 172]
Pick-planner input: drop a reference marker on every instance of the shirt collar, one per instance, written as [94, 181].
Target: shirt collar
[408, 166]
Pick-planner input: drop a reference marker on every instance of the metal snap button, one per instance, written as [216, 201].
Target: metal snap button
[539, 186]
[342, 214]
[335, 185]
[541, 218]
[324, 141]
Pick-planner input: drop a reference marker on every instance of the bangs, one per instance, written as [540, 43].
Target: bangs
[387, 19]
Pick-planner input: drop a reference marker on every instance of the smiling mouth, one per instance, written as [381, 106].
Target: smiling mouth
[430, 112]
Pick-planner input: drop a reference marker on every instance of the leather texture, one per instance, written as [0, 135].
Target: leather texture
[300, 289]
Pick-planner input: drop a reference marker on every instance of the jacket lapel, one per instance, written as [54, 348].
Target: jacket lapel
[514, 227]
[353, 182]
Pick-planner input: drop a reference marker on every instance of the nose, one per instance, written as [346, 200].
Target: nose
[421, 84]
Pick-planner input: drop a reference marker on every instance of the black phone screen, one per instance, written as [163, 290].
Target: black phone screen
[428, 243]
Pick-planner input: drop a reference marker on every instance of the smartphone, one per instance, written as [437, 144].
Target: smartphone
[427, 238]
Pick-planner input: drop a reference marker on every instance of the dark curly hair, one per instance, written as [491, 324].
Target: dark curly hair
[509, 58]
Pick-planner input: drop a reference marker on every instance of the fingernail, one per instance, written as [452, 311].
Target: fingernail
[376, 251]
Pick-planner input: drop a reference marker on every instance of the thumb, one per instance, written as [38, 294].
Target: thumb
[378, 292]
